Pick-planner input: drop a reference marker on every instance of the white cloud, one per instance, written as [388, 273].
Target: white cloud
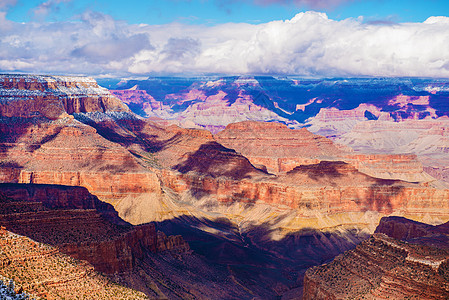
[46, 7]
[308, 44]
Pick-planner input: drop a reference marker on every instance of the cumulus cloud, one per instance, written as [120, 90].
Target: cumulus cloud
[181, 49]
[308, 44]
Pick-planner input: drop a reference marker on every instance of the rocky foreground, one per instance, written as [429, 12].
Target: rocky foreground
[402, 260]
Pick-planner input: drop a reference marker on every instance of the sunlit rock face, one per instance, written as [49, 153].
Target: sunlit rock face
[78, 224]
[43, 271]
[43, 142]
[53, 96]
[403, 259]
[277, 147]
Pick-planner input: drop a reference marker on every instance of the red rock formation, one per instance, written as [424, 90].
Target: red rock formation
[142, 99]
[276, 146]
[53, 96]
[384, 267]
[415, 232]
[390, 166]
[328, 188]
[211, 112]
[381, 268]
[80, 225]
[45, 272]
[68, 152]
[281, 149]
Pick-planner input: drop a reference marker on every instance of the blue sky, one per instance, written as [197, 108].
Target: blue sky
[173, 37]
[213, 12]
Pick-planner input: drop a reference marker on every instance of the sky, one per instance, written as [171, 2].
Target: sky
[310, 38]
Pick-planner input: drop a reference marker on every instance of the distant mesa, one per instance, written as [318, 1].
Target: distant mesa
[53, 96]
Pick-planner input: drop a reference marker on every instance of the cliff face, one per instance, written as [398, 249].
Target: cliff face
[405, 167]
[78, 224]
[276, 146]
[45, 272]
[53, 96]
[415, 232]
[327, 187]
[68, 152]
[427, 139]
[383, 266]
[281, 149]
[205, 105]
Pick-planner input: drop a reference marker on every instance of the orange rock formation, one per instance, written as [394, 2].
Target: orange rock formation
[386, 268]
[79, 225]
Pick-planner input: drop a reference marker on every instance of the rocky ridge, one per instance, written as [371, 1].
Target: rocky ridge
[45, 272]
[375, 115]
[415, 265]
[49, 146]
[53, 96]
[78, 224]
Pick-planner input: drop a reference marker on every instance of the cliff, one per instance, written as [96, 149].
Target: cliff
[68, 152]
[80, 225]
[384, 267]
[202, 106]
[415, 232]
[327, 187]
[45, 272]
[281, 149]
[53, 96]
[276, 146]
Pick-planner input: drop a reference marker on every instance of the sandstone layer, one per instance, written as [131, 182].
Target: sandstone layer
[280, 149]
[45, 272]
[42, 148]
[53, 96]
[404, 259]
[275, 146]
[78, 224]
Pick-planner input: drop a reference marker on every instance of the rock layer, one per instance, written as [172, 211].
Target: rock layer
[47, 273]
[53, 96]
[80, 225]
[276, 146]
[68, 152]
[384, 267]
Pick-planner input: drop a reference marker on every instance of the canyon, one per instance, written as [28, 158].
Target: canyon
[169, 209]
[371, 116]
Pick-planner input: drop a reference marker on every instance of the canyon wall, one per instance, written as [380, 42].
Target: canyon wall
[53, 96]
[280, 149]
[381, 268]
[80, 225]
[45, 272]
[58, 149]
[404, 259]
